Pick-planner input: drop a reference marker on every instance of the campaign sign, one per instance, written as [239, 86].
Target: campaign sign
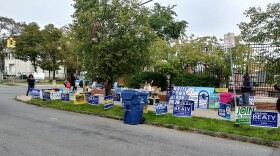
[203, 99]
[65, 97]
[46, 95]
[87, 95]
[109, 101]
[55, 95]
[224, 110]
[35, 93]
[189, 102]
[80, 99]
[243, 114]
[251, 100]
[182, 110]
[214, 101]
[117, 97]
[71, 96]
[264, 119]
[93, 100]
[161, 108]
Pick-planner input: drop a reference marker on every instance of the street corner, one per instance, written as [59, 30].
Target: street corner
[23, 98]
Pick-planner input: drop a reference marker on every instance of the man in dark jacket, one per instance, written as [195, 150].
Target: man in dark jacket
[246, 89]
[31, 83]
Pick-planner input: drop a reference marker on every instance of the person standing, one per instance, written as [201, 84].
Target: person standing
[73, 80]
[31, 83]
[246, 89]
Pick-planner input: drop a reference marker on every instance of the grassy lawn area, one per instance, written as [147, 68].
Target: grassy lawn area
[169, 121]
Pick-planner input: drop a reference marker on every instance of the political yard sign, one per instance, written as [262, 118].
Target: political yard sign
[224, 111]
[35, 93]
[243, 114]
[55, 95]
[264, 119]
[184, 109]
[161, 108]
[93, 100]
[109, 101]
[65, 97]
[80, 99]
[251, 100]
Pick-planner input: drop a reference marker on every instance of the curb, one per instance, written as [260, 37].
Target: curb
[241, 138]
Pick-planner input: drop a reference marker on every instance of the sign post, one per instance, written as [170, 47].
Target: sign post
[230, 43]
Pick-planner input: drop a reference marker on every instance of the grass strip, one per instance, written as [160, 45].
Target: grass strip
[194, 124]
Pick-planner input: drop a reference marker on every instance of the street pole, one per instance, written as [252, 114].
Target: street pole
[232, 77]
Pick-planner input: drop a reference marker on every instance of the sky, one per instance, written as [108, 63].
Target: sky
[205, 17]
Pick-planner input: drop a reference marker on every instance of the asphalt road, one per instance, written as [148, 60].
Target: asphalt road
[27, 130]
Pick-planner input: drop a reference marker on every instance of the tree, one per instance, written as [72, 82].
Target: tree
[28, 44]
[114, 37]
[162, 20]
[264, 27]
[8, 28]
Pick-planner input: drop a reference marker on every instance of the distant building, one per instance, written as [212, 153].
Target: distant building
[18, 68]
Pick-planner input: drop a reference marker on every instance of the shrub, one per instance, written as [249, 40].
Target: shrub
[158, 79]
[195, 80]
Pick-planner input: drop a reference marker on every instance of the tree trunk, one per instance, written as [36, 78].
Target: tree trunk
[54, 75]
[49, 75]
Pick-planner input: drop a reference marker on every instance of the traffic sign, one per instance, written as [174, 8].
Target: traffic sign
[229, 40]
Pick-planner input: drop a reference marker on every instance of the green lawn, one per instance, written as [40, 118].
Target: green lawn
[167, 120]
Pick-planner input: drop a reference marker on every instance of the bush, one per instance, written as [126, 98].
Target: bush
[195, 80]
[158, 79]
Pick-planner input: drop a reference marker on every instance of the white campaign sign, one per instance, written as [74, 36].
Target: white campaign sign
[55, 95]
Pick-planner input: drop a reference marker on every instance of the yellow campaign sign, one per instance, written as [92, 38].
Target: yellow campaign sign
[80, 99]
[145, 108]
[219, 90]
[11, 43]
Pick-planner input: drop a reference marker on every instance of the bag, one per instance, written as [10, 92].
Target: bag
[68, 85]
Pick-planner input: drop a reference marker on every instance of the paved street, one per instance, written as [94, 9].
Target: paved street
[35, 131]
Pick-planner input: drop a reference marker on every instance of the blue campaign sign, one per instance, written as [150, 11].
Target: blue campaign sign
[264, 119]
[87, 95]
[117, 97]
[93, 100]
[182, 110]
[203, 99]
[224, 110]
[161, 108]
[65, 97]
[109, 101]
[251, 100]
[189, 102]
[47, 95]
[35, 93]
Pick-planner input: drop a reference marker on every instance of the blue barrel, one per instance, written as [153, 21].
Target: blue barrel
[133, 102]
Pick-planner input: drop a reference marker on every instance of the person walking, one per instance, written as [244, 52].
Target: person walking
[73, 80]
[246, 89]
[31, 83]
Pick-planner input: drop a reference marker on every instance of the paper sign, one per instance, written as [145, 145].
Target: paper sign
[65, 97]
[182, 110]
[109, 101]
[35, 93]
[243, 114]
[161, 108]
[264, 119]
[224, 111]
[93, 100]
[80, 99]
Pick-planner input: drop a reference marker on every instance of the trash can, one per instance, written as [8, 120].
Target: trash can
[133, 102]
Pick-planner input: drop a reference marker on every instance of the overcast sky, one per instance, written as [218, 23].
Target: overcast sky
[205, 17]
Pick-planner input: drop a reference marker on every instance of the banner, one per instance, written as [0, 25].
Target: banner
[117, 97]
[243, 114]
[55, 95]
[93, 100]
[183, 109]
[65, 97]
[80, 99]
[203, 99]
[264, 119]
[221, 90]
[35, 93]
[251, 100]
[179, 92]
[109, 101]
[161, 108]
[214, 101]
[224, 110]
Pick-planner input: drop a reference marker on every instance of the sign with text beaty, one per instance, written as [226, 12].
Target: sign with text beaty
[224, 111]
[184, 109]
[93, 100]
[161, 108]
[179, 92]
[65, 97]
[243, 114]
[264, 119]
[108, 101]
[35, 93]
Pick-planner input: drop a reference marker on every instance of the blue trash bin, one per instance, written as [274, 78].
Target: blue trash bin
[133, 101]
